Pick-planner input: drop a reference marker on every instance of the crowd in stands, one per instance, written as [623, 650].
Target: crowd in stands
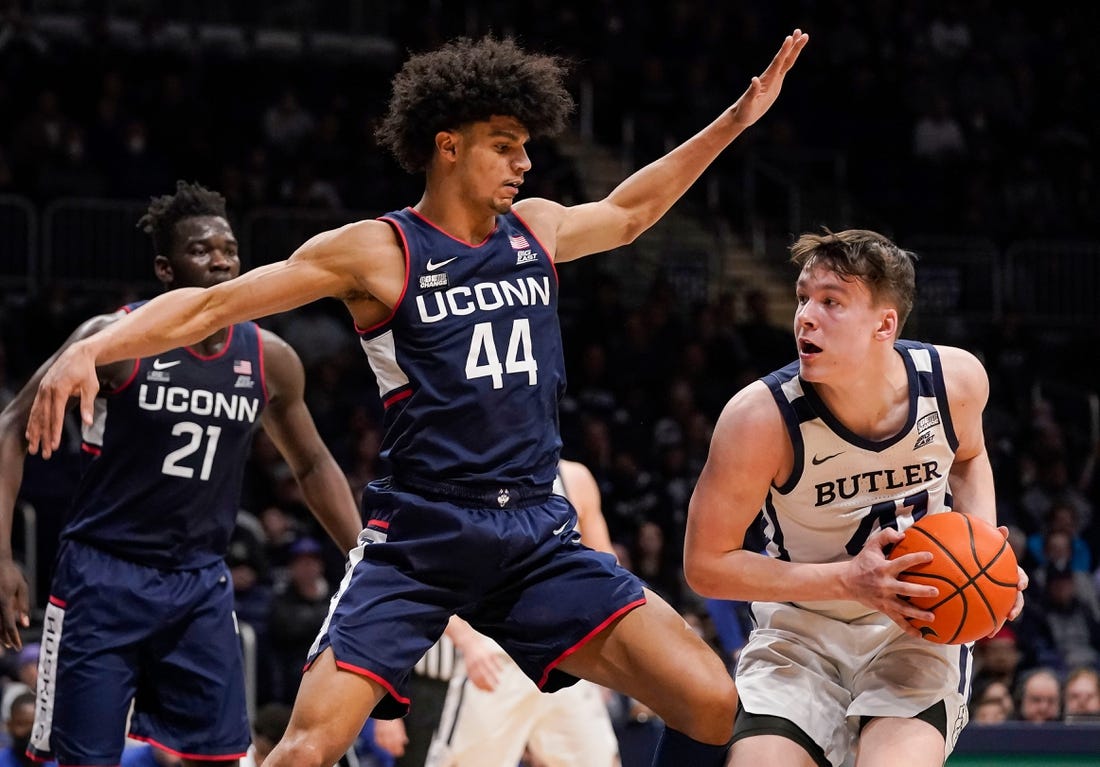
[956, 118]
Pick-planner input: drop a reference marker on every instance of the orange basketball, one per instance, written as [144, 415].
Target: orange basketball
[973, 567]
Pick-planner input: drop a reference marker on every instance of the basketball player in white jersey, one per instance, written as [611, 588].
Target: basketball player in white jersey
[492, 710]
[838, 453]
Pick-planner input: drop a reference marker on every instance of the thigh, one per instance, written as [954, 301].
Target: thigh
[889, 741]
[553, 594]
[191, 697]
[93, 624]
[84, 692]
[652, 654]
[795, 667]
[574, 727]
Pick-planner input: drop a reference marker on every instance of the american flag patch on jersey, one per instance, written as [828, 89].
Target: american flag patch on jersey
[519, 242]
[242, 367]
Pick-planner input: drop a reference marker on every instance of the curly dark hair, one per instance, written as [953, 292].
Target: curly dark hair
[466, 81]
[888, 271]
[164, 212]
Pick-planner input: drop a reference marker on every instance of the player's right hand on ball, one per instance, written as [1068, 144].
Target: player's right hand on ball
[872, 579]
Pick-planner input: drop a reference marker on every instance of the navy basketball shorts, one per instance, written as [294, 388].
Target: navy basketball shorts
[115, 631]
[517, 574]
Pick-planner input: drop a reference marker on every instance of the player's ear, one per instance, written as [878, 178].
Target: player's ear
[162, 268]
[446, 143]
[888, 325]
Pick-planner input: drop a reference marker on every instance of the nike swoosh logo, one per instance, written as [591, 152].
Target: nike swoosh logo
[818, 461]
[562, 529]
[432, 265]
[158, 365]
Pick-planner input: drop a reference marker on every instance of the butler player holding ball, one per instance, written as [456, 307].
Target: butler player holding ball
[861, 436]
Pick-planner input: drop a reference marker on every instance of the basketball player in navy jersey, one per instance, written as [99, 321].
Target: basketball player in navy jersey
[841, 451]
[456, 301]
[141, 603]
[492, 710]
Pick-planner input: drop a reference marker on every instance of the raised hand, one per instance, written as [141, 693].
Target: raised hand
[764, 89]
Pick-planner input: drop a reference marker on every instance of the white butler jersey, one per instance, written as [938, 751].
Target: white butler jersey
[844, 487]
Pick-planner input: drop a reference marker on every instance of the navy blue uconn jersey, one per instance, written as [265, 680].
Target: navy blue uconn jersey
[166, 455]
[469, 364]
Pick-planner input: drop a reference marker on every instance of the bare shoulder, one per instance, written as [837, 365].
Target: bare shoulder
[954, 356]
[368, 239]
[543, 217]
[753, 407]
[363, 263]
[963, 373]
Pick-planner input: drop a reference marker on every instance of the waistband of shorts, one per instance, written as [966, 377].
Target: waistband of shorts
[485, 496]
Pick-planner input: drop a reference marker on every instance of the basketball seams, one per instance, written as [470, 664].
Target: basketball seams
[961, 574]
[971, 580]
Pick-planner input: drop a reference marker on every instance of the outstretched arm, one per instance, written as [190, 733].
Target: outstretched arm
[639, 201]
[287, 420]
[345, 263]
[14, 599]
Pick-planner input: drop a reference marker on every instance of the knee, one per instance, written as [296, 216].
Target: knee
[714, 705]
[296, 752]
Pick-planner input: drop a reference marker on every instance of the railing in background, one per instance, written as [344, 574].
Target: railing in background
[249, 654]
[959, 284]
[272, 234]
[1053, 282]
[92, 244]
[18, 244]
[95, 244]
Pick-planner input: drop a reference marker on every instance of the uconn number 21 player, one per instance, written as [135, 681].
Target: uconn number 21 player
[456, 299]
[141, 603]
[842, 450]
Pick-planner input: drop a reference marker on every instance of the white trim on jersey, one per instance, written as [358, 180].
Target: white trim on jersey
[382, 355]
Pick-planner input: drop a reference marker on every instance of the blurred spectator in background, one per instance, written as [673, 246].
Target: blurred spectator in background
[19, 722]
[1082, 693]
[25, 673]
[998, 658]
[1060, 543]
[991, 703]
[268, 726]
[298, 609]
[1040, 696]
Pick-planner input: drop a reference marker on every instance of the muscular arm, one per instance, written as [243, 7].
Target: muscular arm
[749, 450]
[971, 477]
[639, 201]
[353, 263]
[14, 603]
[287, 420]
[971, 473]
